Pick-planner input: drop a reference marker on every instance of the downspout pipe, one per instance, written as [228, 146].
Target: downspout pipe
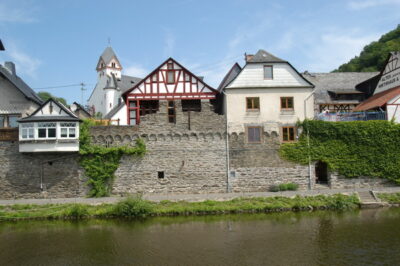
[228, 187]
[308, 141]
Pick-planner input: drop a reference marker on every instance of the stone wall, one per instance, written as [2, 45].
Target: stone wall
[256, 167]
[21, 174]
[337, 181]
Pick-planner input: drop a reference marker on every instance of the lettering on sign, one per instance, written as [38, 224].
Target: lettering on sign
[391, 75]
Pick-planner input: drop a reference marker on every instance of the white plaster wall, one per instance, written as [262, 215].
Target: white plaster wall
[253, 76]
[12, 101]
[393, 109]
[270, 115]
[109, 100]
[122, 116]
[57, 111]
[49, 147]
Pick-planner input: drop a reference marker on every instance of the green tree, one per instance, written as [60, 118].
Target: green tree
[46, 95]
[374, 55]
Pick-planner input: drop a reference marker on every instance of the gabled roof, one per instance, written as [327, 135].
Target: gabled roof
[157, 68]
[335, 82]
[33, 118]
[81, 107]
[21, 85]
[378, 100]
[263, 56]
[230, 76]
[113, 111]
[107, 55]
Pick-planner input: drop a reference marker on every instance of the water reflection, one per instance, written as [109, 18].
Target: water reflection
[370, 237]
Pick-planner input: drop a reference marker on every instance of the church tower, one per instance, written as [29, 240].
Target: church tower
[109, 64]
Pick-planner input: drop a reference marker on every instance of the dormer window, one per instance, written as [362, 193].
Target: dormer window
[268, 72]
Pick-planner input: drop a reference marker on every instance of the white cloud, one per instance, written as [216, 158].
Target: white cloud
[361, 4]
[331, 49]
[169, 43]
[136, 71]
[23, 13]
[25, 64]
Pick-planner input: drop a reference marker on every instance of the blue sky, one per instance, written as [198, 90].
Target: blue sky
[56, 43]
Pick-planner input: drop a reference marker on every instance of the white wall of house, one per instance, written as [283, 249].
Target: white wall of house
[393, 109]
[100, 97]
[121, 115]
[270, 115]
[12, 101]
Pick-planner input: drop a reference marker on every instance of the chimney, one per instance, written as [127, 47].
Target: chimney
[10, 66]
[248, 57]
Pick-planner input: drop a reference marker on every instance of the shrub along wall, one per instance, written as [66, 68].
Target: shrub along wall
[353, 149]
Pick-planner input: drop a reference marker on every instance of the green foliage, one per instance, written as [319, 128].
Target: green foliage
[132, 207]
[393, 198]
[374, 55]
[76, 211]
[283, 187]
[359, 148]
[46, 95]
[100, 163]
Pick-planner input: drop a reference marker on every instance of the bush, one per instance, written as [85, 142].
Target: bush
[132, 207]
[76, 211]
[283, 187]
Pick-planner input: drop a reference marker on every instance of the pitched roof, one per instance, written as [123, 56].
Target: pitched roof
[113, 111]
[32, 118]
[157, 68]
[378, 100]
[21, 85]
[263, 56]
[230, 76]
[335, 82]
[108, 54]
[81, 107]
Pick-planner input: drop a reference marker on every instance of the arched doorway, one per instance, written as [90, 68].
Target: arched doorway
[321, 173]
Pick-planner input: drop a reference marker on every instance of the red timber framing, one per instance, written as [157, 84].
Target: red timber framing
[170, 81]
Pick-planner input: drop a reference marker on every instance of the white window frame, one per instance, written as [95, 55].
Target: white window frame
[69, 126]
[40, 126]
[27, 128]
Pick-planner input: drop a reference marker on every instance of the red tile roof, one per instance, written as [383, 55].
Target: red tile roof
[378, 100]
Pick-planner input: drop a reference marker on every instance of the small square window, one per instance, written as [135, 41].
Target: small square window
[268, 72]
[160, 174]
[254, 134]
[253, 103]
[288, 134]
[287, 103]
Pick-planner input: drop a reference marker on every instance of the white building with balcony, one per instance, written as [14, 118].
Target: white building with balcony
[51, 128]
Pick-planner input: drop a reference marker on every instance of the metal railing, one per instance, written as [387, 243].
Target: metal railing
[351, 116]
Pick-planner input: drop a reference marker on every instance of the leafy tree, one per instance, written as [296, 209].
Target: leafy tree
[374, 55]
[46, 95]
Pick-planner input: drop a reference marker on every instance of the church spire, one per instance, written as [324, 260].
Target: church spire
[108, 63]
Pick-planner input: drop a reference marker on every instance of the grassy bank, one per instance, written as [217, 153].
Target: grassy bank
[137, 207]
[392, 198]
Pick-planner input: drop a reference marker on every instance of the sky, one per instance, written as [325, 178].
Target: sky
[58, 43]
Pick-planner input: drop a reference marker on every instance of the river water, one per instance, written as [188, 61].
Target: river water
[368, 237]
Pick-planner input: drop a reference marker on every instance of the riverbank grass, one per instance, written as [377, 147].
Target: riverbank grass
[392, 198]
[136, 207]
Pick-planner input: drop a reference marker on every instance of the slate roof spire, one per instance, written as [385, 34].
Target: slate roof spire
[108, 54]
[263, 56]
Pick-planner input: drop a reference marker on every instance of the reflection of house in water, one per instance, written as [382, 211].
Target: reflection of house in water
[337, 92]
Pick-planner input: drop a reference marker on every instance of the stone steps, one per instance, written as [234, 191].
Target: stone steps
[369, 201]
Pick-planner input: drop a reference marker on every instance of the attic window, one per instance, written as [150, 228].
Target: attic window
[113, 65]
[268, 72]
[170, 66]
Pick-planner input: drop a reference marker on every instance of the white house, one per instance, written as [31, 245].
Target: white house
[267, 95]
[111, 84]
[51, 128]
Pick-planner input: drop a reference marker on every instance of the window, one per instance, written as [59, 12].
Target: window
[155, 77]
[170, 66]
[287, 103]
[253, 103]
[187, 77]
[288, 134]
[160, 175]
[68, 130]
[171, 112]
[46, 130]
[12, 120]
[268, 72]
[170, 77]
[191, 105]
[254, 134]
[113, 65]
[148, 107]
[132, 112]
[27, 131]
[2, 121]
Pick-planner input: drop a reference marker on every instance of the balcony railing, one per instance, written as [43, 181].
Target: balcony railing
[351, 116]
